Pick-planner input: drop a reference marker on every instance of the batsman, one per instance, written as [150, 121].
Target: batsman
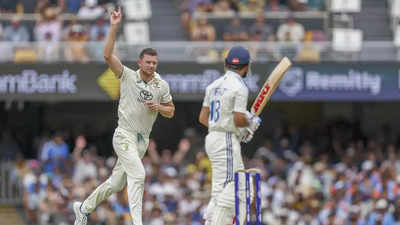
[229, 123]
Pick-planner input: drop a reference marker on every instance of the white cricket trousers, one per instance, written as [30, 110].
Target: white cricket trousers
[223, 150]
[129, 170]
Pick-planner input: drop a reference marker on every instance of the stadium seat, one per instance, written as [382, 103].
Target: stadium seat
[397, 37]
[137, 9]
[137, 32]
[347, 40]
[25, 55]
[394, 8]
[345, 6]
[342, 21]
[394, 11]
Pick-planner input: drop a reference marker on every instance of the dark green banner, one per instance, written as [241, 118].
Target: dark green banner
[303, 82]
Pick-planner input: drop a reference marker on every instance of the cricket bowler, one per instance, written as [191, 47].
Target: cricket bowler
[229, 123]
[143, 95]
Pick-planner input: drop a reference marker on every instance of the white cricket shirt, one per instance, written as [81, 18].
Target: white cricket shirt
[224, 96]
[133, 115]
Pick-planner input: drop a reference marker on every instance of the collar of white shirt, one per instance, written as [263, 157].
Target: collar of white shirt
[234, 74]
[155, 79]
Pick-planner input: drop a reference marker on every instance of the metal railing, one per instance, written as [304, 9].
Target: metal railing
[11, 188]
[201, 52]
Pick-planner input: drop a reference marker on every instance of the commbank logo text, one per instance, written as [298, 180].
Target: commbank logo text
[31, 81]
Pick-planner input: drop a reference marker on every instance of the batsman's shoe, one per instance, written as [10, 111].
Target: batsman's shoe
[80, 218]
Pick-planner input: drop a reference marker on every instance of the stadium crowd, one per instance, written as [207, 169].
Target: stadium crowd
[231, 6]
[328, 176]
[68, 30]
[290, 36]
[77, 22]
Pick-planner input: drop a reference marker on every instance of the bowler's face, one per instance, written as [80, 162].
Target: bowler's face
[148, 64]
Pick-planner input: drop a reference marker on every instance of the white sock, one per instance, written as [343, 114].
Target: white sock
[83, 209]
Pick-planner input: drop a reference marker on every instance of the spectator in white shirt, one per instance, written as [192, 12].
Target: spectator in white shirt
[85, 167]
[90, 10]
[49, 24]
[291, 28]
[16, 32]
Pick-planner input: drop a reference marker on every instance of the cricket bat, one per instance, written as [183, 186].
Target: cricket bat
[269, 86]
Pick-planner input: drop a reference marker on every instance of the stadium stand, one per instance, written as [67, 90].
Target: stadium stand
[370, 21]
[302, 183]
[166, 26]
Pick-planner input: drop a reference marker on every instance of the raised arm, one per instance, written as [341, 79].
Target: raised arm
[111, 59]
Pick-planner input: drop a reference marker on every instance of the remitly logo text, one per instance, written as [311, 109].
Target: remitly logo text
[31, 81]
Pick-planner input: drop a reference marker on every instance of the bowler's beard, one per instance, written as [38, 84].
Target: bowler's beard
[146, 73]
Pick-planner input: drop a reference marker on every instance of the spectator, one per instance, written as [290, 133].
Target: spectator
[99, 30]
[67, 30]
[295, 190]
[298, 5]
[191, 6]
[77, 50]
[58, 5]
[260, 30]
[16, 32]
[85, 167]
[48, 34]
[290, 31]
[235, 32]
[90, 10]
[223, 8]
[121, 206]
[4, 48]
[73, 6]
[251, 6]
[48, 26]
[54, 153]
[156, 215]
[98, 33]
[48, 49]
[203, 31]
[278, 5]
[381, 215]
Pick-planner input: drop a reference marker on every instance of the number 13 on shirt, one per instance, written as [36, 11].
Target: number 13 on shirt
[214, 110]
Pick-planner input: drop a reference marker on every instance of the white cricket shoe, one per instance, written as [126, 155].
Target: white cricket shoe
[80, 218]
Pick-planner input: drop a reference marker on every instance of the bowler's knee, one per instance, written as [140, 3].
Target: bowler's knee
[114, 186]
[138, 176]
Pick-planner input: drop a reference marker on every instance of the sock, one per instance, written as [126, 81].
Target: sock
[83, 210]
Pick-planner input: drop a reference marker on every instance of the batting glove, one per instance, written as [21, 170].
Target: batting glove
[254, 121]
[245, 134]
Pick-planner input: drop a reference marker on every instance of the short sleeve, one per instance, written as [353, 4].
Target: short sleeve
[206, 101]
[125, 72]
[240, 102]
[65, 152]
[45, 152]
[166, 97]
